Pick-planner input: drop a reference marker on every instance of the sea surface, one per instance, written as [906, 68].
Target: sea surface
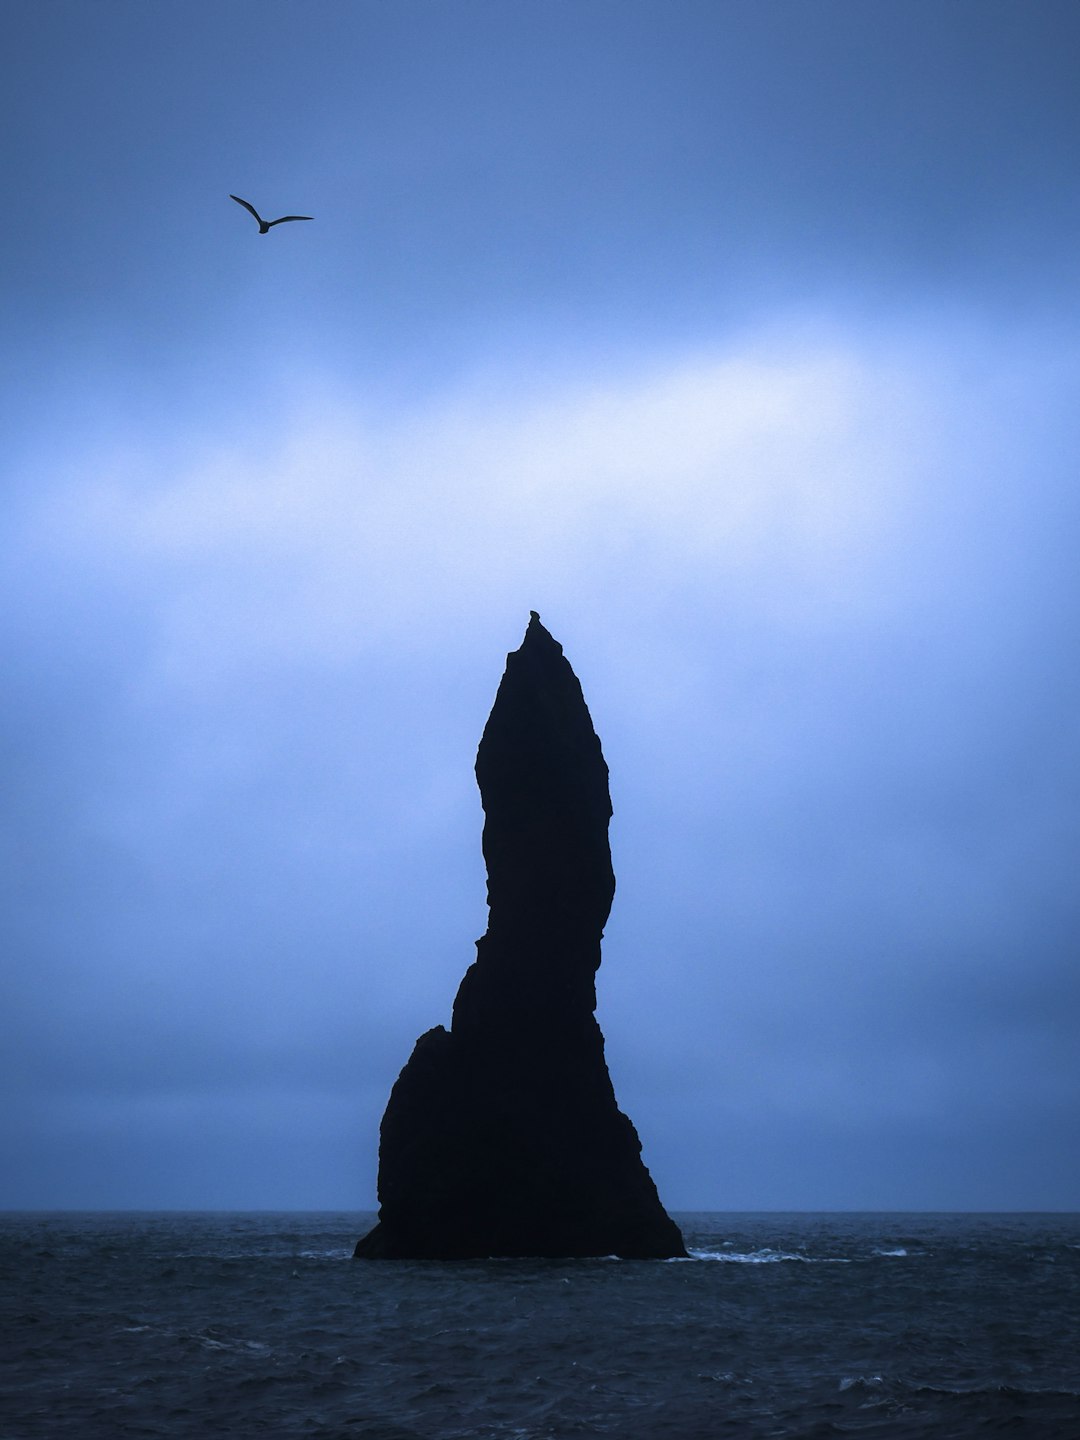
[235, 1325]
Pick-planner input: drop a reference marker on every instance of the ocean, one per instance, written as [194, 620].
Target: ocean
[779, 1325]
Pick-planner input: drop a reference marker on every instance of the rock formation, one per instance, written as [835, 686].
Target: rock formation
[502, 1135]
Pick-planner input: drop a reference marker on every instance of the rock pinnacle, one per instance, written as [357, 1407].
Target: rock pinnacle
[502, 1136]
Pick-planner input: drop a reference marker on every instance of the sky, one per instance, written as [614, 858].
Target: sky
[740, 340]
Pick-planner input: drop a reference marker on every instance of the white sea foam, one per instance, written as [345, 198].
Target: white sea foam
[765, 1257]
[211, 1342]
[898, 1251]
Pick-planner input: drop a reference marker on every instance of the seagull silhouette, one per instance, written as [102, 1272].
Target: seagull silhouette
[264, 225]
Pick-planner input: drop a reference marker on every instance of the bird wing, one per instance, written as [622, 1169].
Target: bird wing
[282, 218]
[246, 206]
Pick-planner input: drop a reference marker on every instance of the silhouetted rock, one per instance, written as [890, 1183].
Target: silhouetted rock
[502, 1135]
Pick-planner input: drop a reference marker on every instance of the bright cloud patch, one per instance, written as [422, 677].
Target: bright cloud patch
[785, 473]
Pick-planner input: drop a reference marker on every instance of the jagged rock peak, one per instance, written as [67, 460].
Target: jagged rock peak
[544, 787]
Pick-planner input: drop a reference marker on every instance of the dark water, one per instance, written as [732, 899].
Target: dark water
[177, 1325]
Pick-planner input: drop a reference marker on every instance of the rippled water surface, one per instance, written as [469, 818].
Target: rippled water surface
[176, 1325]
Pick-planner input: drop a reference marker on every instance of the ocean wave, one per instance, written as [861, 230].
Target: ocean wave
[765, 1257]
[1006, 1390]
[727, 1378]
[228, 1342]
[903, 1385]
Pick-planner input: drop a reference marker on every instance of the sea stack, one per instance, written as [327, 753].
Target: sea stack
[502, 1136]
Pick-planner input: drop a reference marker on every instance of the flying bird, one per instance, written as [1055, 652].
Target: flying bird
[264, 225]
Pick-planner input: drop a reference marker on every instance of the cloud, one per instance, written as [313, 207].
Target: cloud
[336, 533]
[817, 587]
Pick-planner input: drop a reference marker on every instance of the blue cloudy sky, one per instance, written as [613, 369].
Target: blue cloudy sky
[740, 339]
